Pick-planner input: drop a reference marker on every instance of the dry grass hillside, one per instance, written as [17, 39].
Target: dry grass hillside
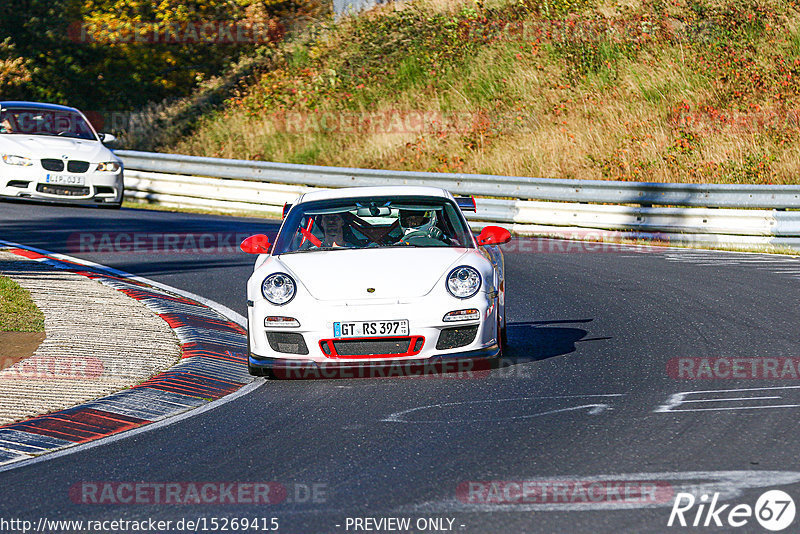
[661, 90]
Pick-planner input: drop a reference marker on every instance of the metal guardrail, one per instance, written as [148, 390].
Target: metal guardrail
[264, 187]
[594, 191]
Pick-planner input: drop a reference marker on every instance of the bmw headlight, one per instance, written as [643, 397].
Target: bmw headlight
[17, 160]
[108, 166]
[463, 282]
[278, 288]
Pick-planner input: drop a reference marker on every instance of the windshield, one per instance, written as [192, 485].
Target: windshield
[32, 121]
[373, 223]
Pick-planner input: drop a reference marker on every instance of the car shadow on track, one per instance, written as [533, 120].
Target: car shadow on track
[528, 342]
[533, 341]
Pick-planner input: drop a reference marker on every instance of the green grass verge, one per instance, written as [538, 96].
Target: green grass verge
[18, 313]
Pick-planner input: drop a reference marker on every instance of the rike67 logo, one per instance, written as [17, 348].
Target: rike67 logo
[774, 510]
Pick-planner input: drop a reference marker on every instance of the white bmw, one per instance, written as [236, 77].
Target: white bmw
[51, 153]
[371, 276]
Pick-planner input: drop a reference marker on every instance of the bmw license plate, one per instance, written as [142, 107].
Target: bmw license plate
[371, 328]
[64, 179]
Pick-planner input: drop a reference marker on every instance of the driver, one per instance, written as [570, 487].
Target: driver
[418, 224]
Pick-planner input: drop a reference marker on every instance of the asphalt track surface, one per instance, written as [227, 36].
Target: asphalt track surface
[584, 395]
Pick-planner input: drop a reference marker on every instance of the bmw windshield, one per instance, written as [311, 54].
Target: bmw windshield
[34, 121]
[373, 223]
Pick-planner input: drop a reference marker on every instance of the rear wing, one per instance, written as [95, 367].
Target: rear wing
[466, 204]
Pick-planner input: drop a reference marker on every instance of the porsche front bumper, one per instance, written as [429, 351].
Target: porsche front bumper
[312, 344]
[466, 362]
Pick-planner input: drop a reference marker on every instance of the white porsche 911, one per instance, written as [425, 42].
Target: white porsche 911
[51, 153]
[370, 276]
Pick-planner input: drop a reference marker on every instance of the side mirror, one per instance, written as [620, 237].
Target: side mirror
[494, 235]
[107, 138]
[256, 244]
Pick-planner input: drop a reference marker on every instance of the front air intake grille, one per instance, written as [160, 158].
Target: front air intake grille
[78, 166]
[369, 347]
[451, 338]
[287, 342]
[63, 190]
[372, 347]
[22, 184]
[55, 165]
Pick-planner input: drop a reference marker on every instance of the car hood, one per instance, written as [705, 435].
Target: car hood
[392, 273]
[42, 146]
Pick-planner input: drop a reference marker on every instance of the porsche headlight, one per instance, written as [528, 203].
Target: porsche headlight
[17, 160]
[278, 288]
[108, 166]
[463, 282]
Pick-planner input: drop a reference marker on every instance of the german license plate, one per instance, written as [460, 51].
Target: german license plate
[371, 328]
[64, 179]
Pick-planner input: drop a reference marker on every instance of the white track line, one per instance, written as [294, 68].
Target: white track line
[224, 310]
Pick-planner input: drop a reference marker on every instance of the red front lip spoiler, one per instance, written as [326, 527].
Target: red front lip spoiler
[309, 369]
[329, 349]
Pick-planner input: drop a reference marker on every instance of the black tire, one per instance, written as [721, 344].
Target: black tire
[256, 371]
[267, 373]
[504, 333]
[500, 341]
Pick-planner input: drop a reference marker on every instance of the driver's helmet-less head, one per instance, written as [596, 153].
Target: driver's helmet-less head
[416, 219]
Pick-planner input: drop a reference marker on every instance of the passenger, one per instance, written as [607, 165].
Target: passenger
[5, 124]
[336, 233]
